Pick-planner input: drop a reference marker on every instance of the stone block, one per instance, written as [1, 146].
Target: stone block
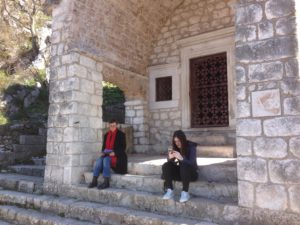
[294, 195]
[246, 194]
[252, 169]
[292, 106]
[243, 109]
[71, 134]
[174, 115]
[291, 68]
[241, 92]
[295, 146]
[138, 120]
[266, 103]
[243, 147]
[285, 171]
[88, 135]
[248, 14]
[291, 87]
[77, 71]
[273, 197]
[265, 72]
[69, 108]
[87, 62]
[61, 72]
[270, 49]
[87, 86]
[240, 74]
[163, 115]
[248, 127]
[245, 33]
[55, 134]
[286, 26]
[279, 8]
[270, 147]
[283, 126]
[265, 30]
[55, 37]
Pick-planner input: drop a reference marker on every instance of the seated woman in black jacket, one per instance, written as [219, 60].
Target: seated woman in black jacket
[181, 165]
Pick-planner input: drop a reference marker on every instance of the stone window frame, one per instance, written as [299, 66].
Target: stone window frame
[202, 45]
[159, 71]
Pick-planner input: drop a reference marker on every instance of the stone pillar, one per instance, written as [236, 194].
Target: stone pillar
[136, 114]
[268, 118]
[75, 113]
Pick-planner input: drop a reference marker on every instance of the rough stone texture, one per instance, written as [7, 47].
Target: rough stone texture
[274, 217]
[279, 8]
[248, 127]
[272, 197]
[246, 194]
[294, 195]
[250, 14]
[270, 147]
[252, 169]
[244, 147]
[286, 26]
[295, 146]
[285, 171]
[243, 109]
[265, 72]
[266, 103]
[292, 106]
[284, 126]
[265, 30]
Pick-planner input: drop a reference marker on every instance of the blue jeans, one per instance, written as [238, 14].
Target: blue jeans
[102, 165]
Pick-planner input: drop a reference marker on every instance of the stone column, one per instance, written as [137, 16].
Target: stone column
[268, 116]
[136, 114]
[75, 114]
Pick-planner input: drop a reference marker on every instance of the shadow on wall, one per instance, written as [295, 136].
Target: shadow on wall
[113, 103]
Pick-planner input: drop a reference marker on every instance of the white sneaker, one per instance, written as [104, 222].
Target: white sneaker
[185, 196]
[169, 194]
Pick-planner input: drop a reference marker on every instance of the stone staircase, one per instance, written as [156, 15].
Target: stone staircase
[134, 198]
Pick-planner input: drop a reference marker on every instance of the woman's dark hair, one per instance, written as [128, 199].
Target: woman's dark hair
[181, 136]
[113, 121]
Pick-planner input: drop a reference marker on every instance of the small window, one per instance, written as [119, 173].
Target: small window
[163, 88]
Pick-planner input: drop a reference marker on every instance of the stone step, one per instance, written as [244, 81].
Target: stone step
[30, 170]
[5, 223]
[153, 184]
[32, 140]
[26, 152]
[210, 169]
[225, 151]
[225, 213]
[92, 212]
[39, 161]
[22, 216]
[22, 183]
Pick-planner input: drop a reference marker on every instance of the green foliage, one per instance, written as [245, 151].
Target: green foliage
[3, 119]
[112, 94]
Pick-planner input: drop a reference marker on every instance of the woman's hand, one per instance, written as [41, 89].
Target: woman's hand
[112, 154]
[171, 154]
[177, 155]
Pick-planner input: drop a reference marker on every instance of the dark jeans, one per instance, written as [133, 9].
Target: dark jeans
[182, 172]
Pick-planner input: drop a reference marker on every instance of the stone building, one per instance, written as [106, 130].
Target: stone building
[247, 96]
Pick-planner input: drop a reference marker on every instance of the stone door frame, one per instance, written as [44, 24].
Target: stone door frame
[201, 45]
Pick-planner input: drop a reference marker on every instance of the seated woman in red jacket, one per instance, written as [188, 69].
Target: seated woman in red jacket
[113, 156]
[181, 165]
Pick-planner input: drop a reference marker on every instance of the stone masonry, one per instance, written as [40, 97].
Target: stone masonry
[75, 114]
[268, 130]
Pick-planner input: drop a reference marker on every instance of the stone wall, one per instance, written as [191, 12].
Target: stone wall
[268, 124]
[192, 18]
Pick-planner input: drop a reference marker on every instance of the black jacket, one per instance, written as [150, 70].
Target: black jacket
[119, 150]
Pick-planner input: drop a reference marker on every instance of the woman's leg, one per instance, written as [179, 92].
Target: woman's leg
[187, 174]
[98, 167]
[106, 167]
[169, 173]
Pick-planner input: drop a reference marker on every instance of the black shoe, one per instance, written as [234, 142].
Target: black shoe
[94, 183]
[105, 184]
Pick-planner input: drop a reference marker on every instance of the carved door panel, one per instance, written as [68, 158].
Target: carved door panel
[208, 91]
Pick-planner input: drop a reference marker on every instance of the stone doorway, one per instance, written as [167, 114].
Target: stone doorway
[209, 91]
